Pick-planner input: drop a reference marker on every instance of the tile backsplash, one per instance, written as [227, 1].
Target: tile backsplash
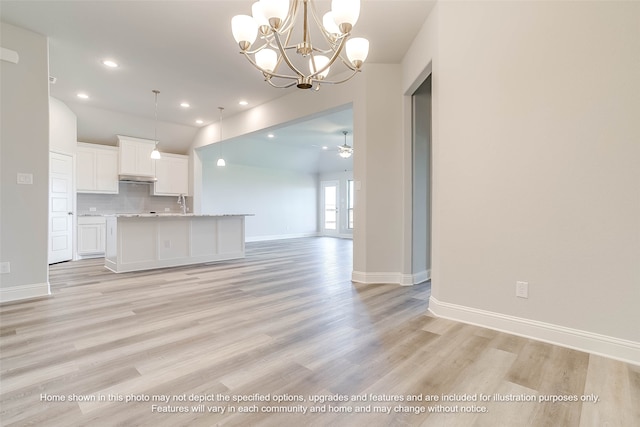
[133, 198]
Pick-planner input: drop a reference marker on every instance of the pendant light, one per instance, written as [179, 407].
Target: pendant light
[220, 161]
[155, 154]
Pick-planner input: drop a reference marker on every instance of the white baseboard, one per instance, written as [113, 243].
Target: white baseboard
[15, 293]
[421, 276]
[279, 237]
[393, 278]
[603, 345]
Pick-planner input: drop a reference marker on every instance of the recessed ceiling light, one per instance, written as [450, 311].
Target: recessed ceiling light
[324, 147]
[185, 105]
[83, 95]
[109, 63]
[243, 103]
[199, 121]
[271, 135]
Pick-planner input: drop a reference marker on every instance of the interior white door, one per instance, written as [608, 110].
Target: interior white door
[329, 206]
[60, 207]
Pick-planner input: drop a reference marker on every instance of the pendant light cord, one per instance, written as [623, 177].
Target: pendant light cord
[220, 108]
[155, 131]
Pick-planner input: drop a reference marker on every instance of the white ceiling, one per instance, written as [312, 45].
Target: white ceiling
[184, 49]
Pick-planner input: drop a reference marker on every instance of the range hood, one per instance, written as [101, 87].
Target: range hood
[138, 179]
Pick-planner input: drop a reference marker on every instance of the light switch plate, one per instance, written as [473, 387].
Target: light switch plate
[522, 289]
[25, 178]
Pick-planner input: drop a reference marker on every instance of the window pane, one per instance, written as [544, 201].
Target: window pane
[330, 208]
[350, 201]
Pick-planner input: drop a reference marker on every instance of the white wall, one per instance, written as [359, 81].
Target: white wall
[24, 137]
[536, 168]
[284, 202]
[379, 170]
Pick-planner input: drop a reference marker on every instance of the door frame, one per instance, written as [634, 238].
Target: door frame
[323, 230]
[73, 204]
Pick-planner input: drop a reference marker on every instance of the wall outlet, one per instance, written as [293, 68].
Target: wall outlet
[25, 178]
[522, 289]
[5, 267]
[167, 209]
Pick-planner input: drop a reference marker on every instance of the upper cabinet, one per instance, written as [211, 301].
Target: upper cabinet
[135, 156]
[172, 171]
[97, 169]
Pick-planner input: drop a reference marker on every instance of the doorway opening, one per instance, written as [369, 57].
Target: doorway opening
[421, 182]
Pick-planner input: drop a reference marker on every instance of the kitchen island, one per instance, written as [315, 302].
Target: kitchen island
[147, 241]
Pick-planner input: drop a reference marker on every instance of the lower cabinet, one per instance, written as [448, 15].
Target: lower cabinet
[91, 236]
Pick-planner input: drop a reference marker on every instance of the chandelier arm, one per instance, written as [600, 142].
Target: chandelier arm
[336, 55]
[329, 37]
[291, 18]
[252, 52]
[286, 58]
[287, 40]
[268, 80]
[356, 71]
[267, 73]
[348, 64]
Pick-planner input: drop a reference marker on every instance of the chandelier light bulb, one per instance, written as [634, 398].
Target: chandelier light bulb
[267, 59]
[258, 15]
[244, 30]
[320, 62]
[345, 13]
[329, 24]
[275, 11]
[357, 51]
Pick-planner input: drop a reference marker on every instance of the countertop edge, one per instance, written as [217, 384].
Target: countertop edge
[161, 215]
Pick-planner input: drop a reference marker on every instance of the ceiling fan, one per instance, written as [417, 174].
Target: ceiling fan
[345, 150]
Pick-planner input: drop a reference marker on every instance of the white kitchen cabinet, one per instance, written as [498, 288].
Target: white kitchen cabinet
[91, 236]
[135, 156]
[172, 171]
[97, 169]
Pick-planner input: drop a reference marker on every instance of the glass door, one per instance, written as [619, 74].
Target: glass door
[330, 217]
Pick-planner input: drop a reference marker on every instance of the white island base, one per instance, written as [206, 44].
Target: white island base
[148, 241]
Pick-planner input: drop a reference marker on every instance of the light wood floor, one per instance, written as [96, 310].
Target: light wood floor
[287, 323]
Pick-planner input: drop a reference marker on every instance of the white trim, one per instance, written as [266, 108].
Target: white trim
[375, 278]
[279, 237]
[393, 278]
[21, 292]
[603, 345]
[9, 55]
[421, 276]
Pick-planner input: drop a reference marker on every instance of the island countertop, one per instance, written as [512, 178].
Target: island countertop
[170, 214]
[145, 241]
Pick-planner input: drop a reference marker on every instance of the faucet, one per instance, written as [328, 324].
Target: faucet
[183, 204]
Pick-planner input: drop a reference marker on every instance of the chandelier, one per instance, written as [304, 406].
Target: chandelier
[275, 20]
[345, 151]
